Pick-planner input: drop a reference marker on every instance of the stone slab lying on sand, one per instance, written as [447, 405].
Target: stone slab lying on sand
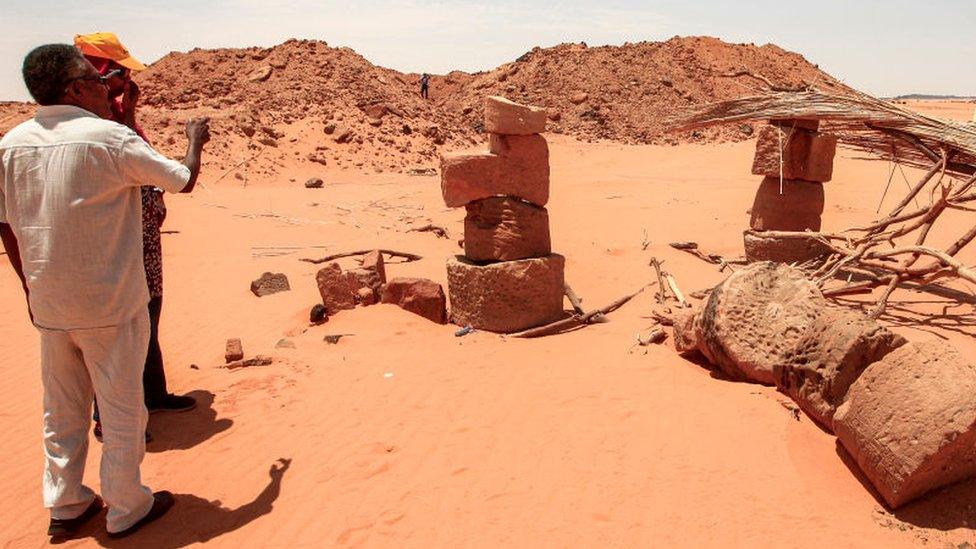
[417, 295]
[523, 172]
[755, 317]
[505, 229]
[506, 297]
[798, 207]
[507, 117]
[234, 350]
[910, 421]
[270, 283]
[784, 247]
[829, 357]
[806, 155]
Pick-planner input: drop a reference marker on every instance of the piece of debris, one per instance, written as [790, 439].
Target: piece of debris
[234, 351]
[314, 183]
[657, 335]
[332, 339]
[318, 314]
[259, 360]
[270, 283]
[421, 171]
[464, 331]
[285, 344]
[441, 232]
[419, 296]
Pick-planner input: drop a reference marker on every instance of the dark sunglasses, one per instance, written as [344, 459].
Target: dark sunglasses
[101, 79]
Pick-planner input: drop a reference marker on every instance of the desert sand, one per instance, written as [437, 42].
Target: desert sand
[402, 434]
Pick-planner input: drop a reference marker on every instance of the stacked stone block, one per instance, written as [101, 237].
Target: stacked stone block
[508, 278]
[795, 160]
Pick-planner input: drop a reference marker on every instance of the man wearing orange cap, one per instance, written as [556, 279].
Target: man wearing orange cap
[112, 60]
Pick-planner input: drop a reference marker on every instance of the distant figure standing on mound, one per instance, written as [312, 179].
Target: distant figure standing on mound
[424, 84]
[71, 223]
[112, 60]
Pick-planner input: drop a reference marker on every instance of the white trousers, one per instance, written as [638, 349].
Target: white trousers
[108, 362]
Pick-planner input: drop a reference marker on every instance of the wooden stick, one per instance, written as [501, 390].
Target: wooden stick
[673, 284]
[573, 299]
[441, 232]
[661, 294]
[408, 256]
[574, 321]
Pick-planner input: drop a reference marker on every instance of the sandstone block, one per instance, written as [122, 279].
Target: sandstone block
[234, 350]
[806, 155]
[338, 289]
[783, 248]
[417, 295]
[687, 328]
[798, 208]
[270, 283]
[522, 171]
[510, 118]
[910, 421]
[506, 297]
[366, 296]
[752, 320]
[505, 229]
[373, 261]
[829, 357]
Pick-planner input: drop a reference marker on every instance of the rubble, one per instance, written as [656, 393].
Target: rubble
[418, 295]
[270, 283]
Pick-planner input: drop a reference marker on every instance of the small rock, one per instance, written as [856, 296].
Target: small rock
[313, 183]
[285, 344]
[318, 314]
[260, 74]
[259, 360]
[270, 283]
[329, 128]
[578, 98]
[235, 350]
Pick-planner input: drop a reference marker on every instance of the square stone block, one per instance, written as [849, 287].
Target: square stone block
[505, 229]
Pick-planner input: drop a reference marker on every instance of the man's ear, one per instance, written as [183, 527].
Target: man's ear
[70, 94]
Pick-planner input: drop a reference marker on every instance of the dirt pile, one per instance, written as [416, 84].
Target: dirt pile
[308, 103]
[626, 93]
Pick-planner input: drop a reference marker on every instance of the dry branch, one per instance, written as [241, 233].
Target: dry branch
[441, 232]
[393, 253]
[577, 321]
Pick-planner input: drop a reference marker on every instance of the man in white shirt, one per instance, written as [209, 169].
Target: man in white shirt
[70, 220]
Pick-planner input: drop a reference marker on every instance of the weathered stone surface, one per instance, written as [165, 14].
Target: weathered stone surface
[234, 350]
[829, 357]
[783, 248]
[260, 74]
[373, 261]
[366, 278]
[798, 208]
[270, 283]
[314, 183]
[505, 229]
[366, 296]
[753, 319]
[687, 328]
[417, 295]
[523, 172]
[337, 288]
[910, 421]
[506, 297]
[509, 118]
[806, 155]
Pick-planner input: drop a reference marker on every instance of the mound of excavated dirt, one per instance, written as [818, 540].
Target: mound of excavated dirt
[626, 93]
[307, 102]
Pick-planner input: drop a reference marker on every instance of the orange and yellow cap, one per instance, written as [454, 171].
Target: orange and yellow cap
[107, 46]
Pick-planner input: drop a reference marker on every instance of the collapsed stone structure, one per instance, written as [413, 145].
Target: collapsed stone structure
[904, 411]
[508, 278]
[795, 160]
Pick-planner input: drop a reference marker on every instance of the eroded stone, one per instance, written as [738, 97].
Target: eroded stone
[505, 229]
[509, 118]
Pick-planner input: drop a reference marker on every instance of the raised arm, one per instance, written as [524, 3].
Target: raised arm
[197, 134]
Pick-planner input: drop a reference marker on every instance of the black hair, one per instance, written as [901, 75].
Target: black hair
[48, 69]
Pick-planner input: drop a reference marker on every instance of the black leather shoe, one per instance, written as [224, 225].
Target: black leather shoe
[172, 403]
[162, 502]
[64, 528]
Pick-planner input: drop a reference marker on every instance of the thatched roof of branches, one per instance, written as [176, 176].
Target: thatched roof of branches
[879, 128]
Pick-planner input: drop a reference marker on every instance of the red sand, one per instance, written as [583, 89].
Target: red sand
[404, 435]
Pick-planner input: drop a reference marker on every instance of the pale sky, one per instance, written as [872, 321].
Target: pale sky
[883, 47]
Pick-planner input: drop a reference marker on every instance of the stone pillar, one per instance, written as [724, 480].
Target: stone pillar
[795, 160]
[508, 279]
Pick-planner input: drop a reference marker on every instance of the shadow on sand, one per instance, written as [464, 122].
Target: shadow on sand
[186, 430]
[194, 519]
